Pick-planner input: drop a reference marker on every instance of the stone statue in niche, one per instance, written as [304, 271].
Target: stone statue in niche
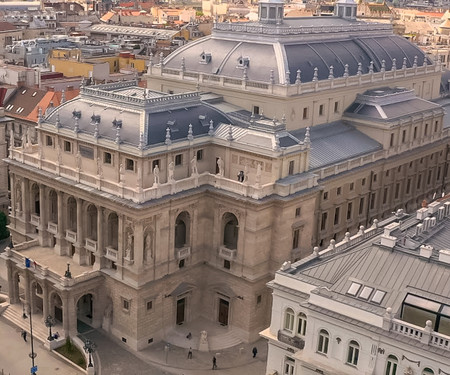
[121, 173]
[203, 345]
[194, 170]
[99, 168]
[129, 246]
[24, 140]
[156, 175]
[258, 174]
[78, 157]
[220, 165]
[148, 246]
[170, 171]
[19, 199]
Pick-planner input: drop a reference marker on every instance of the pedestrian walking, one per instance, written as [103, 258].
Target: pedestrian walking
[214, 363]
[24, 335]
[254, 351]
[190, 353]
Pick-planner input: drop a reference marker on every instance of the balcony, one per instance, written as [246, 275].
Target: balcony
[183, 252]
[111, 254]
[71, 236]
[35, 220]
[52, 228]
[226, 253]
[91, 245]
[294, 341]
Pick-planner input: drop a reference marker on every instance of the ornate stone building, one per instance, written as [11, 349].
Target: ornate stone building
[178, 205]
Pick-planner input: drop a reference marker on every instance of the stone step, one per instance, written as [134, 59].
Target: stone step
[224, 341]
[40, 332]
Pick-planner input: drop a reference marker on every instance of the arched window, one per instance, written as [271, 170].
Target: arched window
[181, 230]
[427, 371]
[289, 320]
[353, 353]
[301, 324]
[391, 365]
[230, 231]
[324, 339]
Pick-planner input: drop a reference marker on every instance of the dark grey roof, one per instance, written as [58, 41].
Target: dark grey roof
[335, 142]
[303, 48]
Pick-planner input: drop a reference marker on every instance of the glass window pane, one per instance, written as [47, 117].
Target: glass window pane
[422, 303]
[366, 292]
[416, 316]
[378, 296]
[354, 288]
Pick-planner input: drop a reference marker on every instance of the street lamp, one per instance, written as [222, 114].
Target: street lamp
[49, 322]
[32, 355]
[89, 347]
[68, 274]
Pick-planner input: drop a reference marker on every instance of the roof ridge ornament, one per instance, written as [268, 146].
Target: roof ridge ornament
[183, 64]
[331, 72]
[298, 78]
[40, 119]
[230, 133]
[288, 77]
[96, 133]
[404, 63]
[371, 67]
[244, 74]
[307, 139]
[346, 71]
[359, 69]
[190, 135]
[415, 62]
[76, 128]
[383, 66]
[63, 96]
[58, 121]
[272, 77]
[161, 59]
[117, 140]
[141, 140]
[277, 143]
[211, 128]
[168, 140]
[394, 64]
[316, 74]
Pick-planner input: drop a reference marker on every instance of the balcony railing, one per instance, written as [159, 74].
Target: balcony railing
[71, 236]
[183, 252]
[91, 245]
[226, 253]
[52, 228]
[294, 341]
[111, 254]
[35, 220]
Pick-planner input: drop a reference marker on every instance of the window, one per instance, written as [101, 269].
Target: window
[258, 299]
[378, 296]
[49, 141]
[353, 353]
[226, 264]
[374, 178]
[385, 194]
[298, 211]
[415, 132]
[199, 154]
[391, 142]
[325, 195]
[289, 320]
[181, 263]
[436, 126]
[289, 366]
[295, 238]
[338, 191]
[129, 164]
[361, 206]
[305, 113]
[301, 324]
[324, 339]
[425, 133]
[107, 158]
[354, 288]
[291, 167]
[363, 181]
[349, 210]
[321, 107]
[178, 159]
[391, 365]
[352, 186]
[323, 224]
[387, 173]
[438, 175]
[399, 169]
[419, 181]
[372, 201]
[403, 136]
[427, 371]
[430, 173]
[366, 292]
[67, 146]
[155, 163]
[125, 304]
[397, 190]
[408, 186]
[336, 107]
[337, 212]
[256, 110]
[149, 305]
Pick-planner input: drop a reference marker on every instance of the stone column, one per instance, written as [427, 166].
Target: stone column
[120, 252]
[59, 248]
[100, 245]
[13, 195]
[79, 245]
[45, 301]
[139, 244]
[43, 208]
[26, 204]
[66, 313]
[12, 284]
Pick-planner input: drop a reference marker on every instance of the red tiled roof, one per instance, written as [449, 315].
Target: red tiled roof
[6, 26]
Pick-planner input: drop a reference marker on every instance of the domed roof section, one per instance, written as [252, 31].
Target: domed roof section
[275, 52]
[124, 113]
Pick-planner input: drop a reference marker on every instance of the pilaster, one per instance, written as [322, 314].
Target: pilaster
[79, 244]
[59, 247]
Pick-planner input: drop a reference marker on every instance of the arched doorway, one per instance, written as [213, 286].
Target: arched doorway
[84, 313]
[182, 224]
[56, 307]
[230, 231]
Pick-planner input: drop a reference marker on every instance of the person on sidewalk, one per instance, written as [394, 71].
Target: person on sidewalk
[190, 353]
[214, 363]
[254, 351]
[24, 335]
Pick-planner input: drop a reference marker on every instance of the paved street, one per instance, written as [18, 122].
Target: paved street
[14, 359]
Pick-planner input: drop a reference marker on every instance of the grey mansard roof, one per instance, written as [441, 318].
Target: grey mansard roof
[297, 44]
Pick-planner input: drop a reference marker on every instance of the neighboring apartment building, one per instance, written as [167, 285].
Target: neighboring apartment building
[8, 34]
[377, 302]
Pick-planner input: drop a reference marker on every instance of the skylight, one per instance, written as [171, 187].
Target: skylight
[378, 296]
[366, 292]
[354, 288]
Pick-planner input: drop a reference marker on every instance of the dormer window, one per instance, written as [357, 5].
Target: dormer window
[243, 62]
[95, 119]
[117, 123]
[205, 58]
[76, 114]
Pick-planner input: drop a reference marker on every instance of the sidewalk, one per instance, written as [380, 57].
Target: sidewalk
[14, 356]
